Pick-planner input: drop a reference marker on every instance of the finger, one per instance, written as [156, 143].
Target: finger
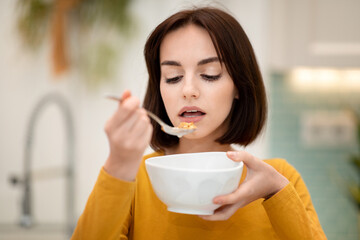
[142, 132]
[125, 110]
[134, 133]
[125, 94]
[130, 104]
[148, 133]
[141, 124]
[243, 190]
[249, 160]
[129, 123]
[114, 120]
[221, 214]
[243, 195]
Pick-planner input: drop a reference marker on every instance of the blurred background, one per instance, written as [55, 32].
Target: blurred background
[59, 57]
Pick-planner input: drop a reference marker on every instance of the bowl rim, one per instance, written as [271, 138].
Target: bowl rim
[228, 169]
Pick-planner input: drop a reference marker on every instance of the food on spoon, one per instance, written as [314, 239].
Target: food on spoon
[187, 125]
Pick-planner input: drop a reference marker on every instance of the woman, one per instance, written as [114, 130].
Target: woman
[202, 69]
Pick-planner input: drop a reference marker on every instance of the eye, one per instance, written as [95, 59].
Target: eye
[210, 77]
[173, 80]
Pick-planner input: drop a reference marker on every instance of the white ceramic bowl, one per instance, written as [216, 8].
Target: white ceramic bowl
[187, 183]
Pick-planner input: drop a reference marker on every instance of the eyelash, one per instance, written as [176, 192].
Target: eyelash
[173, 80]
[208, 78]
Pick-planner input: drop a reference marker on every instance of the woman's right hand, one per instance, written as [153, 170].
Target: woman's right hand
[129, 132]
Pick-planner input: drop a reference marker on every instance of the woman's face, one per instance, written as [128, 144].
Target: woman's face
[195, 86]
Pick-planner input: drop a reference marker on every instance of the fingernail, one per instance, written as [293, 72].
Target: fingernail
[232, 153]
[218, 201]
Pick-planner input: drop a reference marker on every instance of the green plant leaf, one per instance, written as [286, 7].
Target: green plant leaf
[35, 16]
[33, 21]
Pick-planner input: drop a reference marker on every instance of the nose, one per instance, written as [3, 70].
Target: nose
[190, 89]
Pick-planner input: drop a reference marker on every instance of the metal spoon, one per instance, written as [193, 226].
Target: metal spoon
[179, 132]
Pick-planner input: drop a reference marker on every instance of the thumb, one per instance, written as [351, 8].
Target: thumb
[126, 94]
[248, 159]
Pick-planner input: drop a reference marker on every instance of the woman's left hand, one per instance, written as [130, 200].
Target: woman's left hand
[262, 181]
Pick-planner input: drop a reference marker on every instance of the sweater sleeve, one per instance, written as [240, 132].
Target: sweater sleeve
[291, 211]
[107, 214]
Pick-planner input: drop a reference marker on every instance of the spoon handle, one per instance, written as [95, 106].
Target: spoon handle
[113, 97]
[153, 116]
[158, 120]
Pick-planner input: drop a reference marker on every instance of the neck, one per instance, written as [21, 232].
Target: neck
[198, 145]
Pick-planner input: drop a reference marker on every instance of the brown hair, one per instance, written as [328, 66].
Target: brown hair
[248, 114]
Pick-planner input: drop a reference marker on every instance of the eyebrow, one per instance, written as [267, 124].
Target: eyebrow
[202, 62]
[208, 60]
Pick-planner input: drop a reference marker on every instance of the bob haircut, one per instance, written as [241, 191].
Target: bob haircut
[248, 113]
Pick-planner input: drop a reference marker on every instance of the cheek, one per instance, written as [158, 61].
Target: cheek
[164, 95]
[168, 98]
[224, 99]
[165, 92]
[223, 108]
[225, 94]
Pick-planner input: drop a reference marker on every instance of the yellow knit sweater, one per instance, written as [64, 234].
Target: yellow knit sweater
[130, 210]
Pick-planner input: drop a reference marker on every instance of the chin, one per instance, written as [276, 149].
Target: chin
[197, 135]
[194, 135]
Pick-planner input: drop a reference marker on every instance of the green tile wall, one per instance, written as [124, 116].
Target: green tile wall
[321, 168]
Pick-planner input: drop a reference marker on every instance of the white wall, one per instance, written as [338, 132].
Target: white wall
[25, 78]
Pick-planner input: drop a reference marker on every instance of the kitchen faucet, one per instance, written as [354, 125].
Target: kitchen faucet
[26, 219]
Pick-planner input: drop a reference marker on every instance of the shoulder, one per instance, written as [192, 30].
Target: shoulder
[279, 163]
[153, 154]
[150, 155]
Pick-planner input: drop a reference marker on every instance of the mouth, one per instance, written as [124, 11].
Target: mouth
[191, 114]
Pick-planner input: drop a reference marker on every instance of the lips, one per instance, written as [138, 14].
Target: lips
[191, 114]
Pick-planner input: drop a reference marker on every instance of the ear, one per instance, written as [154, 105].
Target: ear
[236, 94]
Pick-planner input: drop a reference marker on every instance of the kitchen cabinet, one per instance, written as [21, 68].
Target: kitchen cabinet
[316, 33]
